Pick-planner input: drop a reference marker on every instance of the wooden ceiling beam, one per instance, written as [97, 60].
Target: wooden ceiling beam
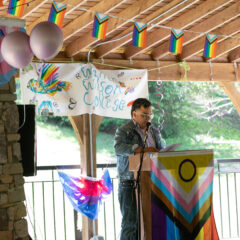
[44, 17]
[170, 11]
[228, 45]
[199, 71]
[33, 6]
[197, 46]
[87, 18]
[181, 22]
[207, 25]
[130, 13]
[234, 55]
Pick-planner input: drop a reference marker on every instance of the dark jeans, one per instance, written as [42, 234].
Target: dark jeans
[127, 200]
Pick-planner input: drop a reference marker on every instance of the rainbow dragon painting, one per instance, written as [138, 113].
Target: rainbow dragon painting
[49, 84]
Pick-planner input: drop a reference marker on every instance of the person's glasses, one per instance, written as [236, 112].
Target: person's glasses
[147, 115]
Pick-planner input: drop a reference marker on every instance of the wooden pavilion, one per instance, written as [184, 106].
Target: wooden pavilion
[196, 17]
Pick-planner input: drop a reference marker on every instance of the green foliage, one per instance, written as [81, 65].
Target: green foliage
[55, 120]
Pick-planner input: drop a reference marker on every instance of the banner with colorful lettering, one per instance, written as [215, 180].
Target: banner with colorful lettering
[75, 89]
[182, 190]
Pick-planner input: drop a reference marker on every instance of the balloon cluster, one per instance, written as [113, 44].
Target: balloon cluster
[45, 41]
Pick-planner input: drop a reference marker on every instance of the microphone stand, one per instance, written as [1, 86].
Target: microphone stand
[138, 182]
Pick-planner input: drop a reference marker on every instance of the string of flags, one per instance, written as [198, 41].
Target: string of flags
[139, 36]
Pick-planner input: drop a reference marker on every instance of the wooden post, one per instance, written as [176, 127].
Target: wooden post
[232, 92]
[81, 127]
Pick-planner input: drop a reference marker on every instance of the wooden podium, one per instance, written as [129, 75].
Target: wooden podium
[145, 183]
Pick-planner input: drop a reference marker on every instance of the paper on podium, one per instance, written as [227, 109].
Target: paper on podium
[171, 147]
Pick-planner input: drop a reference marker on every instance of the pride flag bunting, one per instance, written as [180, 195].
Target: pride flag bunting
[176, 41]
[182, 190]
[86, 193]
[57, 13]
[139, 35]
[16, 7]
[100, 26]
[210, 48]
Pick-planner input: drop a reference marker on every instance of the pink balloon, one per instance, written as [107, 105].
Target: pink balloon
[46, 40]
[16, 50]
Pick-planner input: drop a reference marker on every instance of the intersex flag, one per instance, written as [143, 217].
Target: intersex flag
[86, 193]
[182, 189]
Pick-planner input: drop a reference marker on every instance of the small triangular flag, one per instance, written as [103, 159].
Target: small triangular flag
[176, 41]
[57, 13]
[100, 26]
[16, 7]
[139, 38]
[210, 47]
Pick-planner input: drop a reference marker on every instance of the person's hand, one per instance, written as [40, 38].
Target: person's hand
[147, 149]
[151, 149]
[138, 149]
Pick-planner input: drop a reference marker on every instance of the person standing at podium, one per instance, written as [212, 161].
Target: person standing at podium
[129, 139]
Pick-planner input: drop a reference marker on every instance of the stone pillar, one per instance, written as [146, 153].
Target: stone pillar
[13, 224]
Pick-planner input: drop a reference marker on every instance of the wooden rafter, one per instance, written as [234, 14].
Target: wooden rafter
[131, 12]
[207, 25]
[44, 17]
[103, 50]
[234, 55]
[181, 22]
[198, 45]
[33, 7]
[87, 18]
[228, 45]
[232, 92]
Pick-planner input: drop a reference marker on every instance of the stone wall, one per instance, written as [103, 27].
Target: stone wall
[13, 224]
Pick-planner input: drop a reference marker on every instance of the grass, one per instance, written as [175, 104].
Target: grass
[59, 145]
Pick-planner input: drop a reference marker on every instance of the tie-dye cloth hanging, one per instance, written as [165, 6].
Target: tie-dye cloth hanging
[182, 189]
[86, 193]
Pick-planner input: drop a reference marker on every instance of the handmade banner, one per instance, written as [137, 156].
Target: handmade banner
[86, 193]
[7, 26]
[74, 89]
[182, 188]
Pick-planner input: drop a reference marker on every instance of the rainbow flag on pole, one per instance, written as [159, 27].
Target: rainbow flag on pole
[100, 26]
[57, 13]
[210, 48]
[16, 7]
[176, 41]
[139, 35]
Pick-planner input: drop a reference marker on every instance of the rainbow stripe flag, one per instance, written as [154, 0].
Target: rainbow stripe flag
[1, 3]
[210, 47]
[86, 193]
[176, 41]
[57, 13]
[139, 35]
[182, 190]
[100, 26]
[16, 7]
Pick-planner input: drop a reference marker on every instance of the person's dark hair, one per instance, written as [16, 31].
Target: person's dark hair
[139, 102]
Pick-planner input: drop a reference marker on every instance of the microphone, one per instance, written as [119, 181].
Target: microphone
[146, 134]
